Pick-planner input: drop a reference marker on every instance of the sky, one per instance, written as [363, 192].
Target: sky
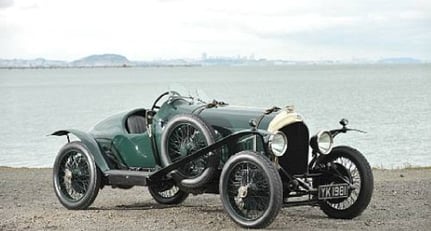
[166, 29]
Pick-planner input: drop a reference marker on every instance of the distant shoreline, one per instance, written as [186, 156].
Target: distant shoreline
[96, 67]
[120, 61]
[199, 65]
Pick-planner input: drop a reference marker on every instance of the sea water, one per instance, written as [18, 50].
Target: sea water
[391, 102]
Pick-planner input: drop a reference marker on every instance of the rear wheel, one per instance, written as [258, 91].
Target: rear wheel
[251, 190]
[76, 178]
[168, 194]
[348, 164]
[184, 135]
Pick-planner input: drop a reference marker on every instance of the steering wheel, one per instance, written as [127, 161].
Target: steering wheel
[170, 93]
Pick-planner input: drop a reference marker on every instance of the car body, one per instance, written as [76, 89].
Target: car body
[258, 160]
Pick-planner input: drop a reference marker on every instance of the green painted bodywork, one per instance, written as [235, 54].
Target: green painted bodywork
[137, 150]
[224, 119]
[110, 127]
[134, 150]
[90, 143]
[232, 118]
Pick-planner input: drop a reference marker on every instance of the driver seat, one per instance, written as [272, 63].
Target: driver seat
[136, 124]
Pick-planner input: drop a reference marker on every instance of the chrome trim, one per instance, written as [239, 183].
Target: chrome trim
[331, 142]
[270, 142]
[285, 117]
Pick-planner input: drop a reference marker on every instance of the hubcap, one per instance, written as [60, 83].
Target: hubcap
[68, 176]
[242, 191]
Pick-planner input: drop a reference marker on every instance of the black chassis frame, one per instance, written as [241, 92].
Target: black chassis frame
[291, 183]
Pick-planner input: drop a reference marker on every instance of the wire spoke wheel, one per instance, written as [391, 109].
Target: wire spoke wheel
[167, 194]
[76, 178]
[348, 165]
[251, 189]
[184, 140]
[351, 174]
[74, 175]
[248, 190]
[185, 134]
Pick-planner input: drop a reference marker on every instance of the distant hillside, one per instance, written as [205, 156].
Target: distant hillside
[400, 60]
[115, 60]
[102, 61]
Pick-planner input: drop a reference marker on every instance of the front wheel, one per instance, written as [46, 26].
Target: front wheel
[251, 190]
[349, 165]
[76, 178]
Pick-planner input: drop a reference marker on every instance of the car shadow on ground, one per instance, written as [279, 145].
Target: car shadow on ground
[299, 213]
[149, 206]
[136, 206]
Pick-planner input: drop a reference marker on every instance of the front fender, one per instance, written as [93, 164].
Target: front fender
[91, 144]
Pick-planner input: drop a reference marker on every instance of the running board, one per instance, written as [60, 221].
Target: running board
[127, 177]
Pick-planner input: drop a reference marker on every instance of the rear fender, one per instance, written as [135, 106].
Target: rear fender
[91, 144]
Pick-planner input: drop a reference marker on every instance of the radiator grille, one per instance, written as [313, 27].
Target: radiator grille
[295, 160]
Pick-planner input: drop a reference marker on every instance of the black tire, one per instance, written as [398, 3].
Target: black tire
[185, 134]
[251, 189]
[353, 165]
[167, 194]
[76, 178]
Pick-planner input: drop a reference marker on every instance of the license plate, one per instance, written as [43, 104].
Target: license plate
[333, 191]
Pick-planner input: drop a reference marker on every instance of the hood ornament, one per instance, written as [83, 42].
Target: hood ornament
[290, 108]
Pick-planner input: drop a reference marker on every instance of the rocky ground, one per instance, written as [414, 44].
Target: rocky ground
[401, 201]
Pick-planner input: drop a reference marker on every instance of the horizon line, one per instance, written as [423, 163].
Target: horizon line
[226, 57]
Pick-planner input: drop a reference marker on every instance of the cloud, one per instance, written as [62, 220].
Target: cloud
[150, 29]
[6, 3]
[343, 30]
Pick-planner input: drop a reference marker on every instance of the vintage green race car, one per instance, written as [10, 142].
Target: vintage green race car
[257, 160]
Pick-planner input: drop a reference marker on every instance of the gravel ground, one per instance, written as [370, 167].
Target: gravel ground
[401, 201]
